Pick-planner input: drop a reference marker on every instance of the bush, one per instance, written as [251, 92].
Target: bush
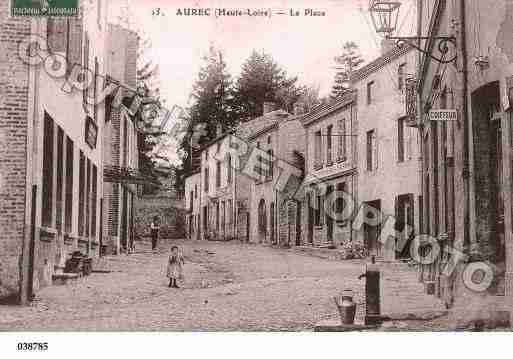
[352, 250]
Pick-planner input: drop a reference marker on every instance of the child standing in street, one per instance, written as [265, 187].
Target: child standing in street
[175, 267]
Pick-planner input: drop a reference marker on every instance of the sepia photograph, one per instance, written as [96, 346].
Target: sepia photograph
[291, 166]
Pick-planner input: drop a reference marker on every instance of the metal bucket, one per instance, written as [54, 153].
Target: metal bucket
[346, 307]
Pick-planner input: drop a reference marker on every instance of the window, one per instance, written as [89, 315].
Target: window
[88, 198]
[370, 87]
[342, 151]
[229, 168]
[191, 198]
[421, 214]
[230, 212]
[206, 179]
[400, 140]
[329, 145]
[95, 88]
[125, 142]
[60, 170]
[401, 76]
[223, 214]
[372, 154]
[85, 64]
[195, 191]
[75, 41]
[217, 216]
[339, 204]
[57, 31]
[318, 149]
[69, 186]
[270, 163]
[99, 13]
[318, 210]
[94, 197]
[268, 140]
[81, 194]
[218, 174]
[47, 185]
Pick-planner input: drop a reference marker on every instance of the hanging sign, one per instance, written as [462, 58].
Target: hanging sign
[443, 115]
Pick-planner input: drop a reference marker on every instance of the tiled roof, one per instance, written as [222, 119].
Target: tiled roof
[326, 108]
[261, 124]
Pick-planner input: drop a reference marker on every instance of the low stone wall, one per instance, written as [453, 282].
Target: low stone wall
[170, 211]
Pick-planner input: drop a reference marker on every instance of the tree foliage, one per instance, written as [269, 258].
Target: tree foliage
[219, 101]
[212, 106]
[147, 76]
[348, 61]
[261, 80]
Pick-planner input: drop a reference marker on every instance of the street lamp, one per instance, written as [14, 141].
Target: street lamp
[385, 13]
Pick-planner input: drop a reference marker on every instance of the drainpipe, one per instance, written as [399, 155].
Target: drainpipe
[420, 114]
[466, 169]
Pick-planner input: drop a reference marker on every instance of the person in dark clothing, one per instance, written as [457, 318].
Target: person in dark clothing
[154, 228]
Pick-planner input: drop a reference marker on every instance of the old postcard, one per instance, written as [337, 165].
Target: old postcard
[272, 165]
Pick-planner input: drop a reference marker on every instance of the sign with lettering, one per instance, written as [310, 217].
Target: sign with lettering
[91, 132]
[44, 7]
[443, 115]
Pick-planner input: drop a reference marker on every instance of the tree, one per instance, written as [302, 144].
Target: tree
[212, 107]
[310, 97]
[148, 77]
[348, 61]
[261, 80]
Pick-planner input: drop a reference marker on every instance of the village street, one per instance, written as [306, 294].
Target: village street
[228, 286]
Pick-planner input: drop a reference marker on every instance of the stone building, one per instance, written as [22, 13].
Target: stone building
[388, 156]
[280, 137]
[467, 163]
[121, 143]
[223, 196]
[331, 168]
[192, 208]
[52, 139]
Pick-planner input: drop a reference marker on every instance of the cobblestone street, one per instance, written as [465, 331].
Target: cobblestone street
[228, 286]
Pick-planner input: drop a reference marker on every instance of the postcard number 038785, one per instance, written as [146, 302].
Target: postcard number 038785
[31, 347]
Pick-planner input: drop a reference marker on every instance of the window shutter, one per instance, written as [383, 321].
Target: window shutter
[57, 32]
[85, 64]
[375, 149]
[75, 41]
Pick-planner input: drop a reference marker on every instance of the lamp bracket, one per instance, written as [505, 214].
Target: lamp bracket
[444, 42]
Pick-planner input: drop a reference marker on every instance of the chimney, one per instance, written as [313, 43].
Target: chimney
[299, 108]
[387, 45]
[219, 130]
[268, 107]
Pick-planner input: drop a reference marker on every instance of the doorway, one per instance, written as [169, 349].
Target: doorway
[298, 224]
[272, 215]
[310, 218]
[124, 221]
[371, 231]
[404, 218]
[329, 218]
[488, 164]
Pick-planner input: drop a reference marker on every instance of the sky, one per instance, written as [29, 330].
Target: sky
[303, 45]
